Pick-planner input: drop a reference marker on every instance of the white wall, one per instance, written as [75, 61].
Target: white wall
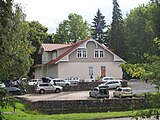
[38, 72]
[70, 69]
[52, 70]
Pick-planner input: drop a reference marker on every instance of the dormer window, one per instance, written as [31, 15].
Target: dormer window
[99, 53]
[81, 53]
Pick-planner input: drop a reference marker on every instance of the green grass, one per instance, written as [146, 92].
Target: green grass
[21, 114]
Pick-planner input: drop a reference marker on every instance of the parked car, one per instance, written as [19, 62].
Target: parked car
[87, 80]
[47, 79]
[105, 79]
[34, 81]
[47, 87]
[60, 82]
[15, 90]
[111, 84]
[99, 92]
[123, 92]
[73, 80]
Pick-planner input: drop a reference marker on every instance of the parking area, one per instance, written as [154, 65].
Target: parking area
[136, 85]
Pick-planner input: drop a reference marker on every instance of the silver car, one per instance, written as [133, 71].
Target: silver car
[111, 84]
[48, 87]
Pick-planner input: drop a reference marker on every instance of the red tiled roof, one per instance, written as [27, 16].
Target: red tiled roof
[73, 47]
[51, 47]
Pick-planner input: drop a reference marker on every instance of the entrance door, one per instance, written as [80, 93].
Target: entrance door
[103, 71]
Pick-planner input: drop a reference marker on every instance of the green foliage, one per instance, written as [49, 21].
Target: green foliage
[98, 28]
[140, 34]
[15, 50]
[150, 72]
[116, 35]
[135, 70]
[154, 104]
[37, 35]
[6, 101]
[72, 30]
[155, 17]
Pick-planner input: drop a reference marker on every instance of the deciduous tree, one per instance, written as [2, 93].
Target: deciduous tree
[15, 50]
[72, 30]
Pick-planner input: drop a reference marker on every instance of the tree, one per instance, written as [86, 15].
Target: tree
[15, 50]
[117, 38]
[98, 28]
[149, 70]
[72, 30]
[37, 35]
[139, 34]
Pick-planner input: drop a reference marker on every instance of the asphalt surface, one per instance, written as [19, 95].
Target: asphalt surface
[136, 85]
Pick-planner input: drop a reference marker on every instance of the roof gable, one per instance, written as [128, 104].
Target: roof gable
[73, 47]
[81, 44]
[51, 47]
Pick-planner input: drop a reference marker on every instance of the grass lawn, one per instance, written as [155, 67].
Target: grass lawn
[21, 114]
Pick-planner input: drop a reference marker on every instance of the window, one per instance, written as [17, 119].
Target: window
[90, 70]
[99, 53]
[81, 53]
[95, 89]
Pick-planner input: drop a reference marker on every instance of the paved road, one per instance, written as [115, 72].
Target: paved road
[137, 86]
[141, 87]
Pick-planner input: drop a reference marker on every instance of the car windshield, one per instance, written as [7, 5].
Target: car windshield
[127, 90]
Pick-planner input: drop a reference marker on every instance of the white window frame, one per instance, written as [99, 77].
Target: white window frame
[81, 53]
[99, 53]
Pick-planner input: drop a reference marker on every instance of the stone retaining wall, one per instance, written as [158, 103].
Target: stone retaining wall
[83, 106]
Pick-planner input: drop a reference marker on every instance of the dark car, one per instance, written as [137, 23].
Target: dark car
[99, 92]
[15, 90]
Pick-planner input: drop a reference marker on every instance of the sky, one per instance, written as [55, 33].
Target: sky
[50, 13]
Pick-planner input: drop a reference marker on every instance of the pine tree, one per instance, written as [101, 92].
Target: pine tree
[117, 39]
[98, 28]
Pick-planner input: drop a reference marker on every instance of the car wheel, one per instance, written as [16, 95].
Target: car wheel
[114, 95]
[90, 95]
[67, 85]
[120, 96]
[22, 93]
[96, 96]
[57, 90]
[42, 91]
